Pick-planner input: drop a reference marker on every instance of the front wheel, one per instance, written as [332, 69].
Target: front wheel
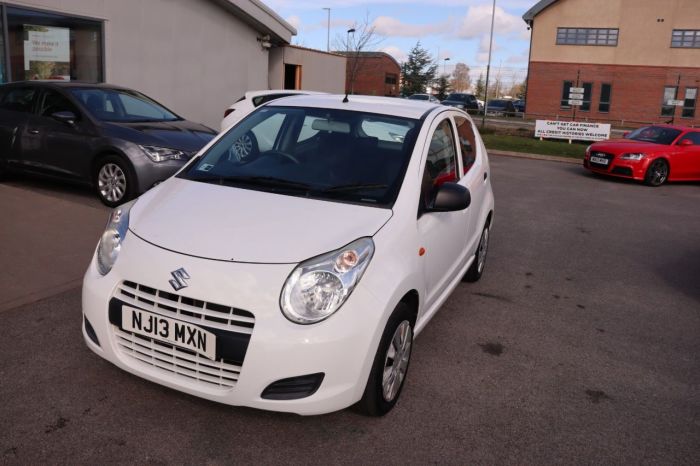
[657, 173]
[477, 268]
[114, 182]
[390, 365]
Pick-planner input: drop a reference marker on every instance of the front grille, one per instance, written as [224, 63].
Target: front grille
[293, 388]
[624, 171]
[169, 358]
[188, 309]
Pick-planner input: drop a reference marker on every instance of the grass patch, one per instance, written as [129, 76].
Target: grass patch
[533, 146]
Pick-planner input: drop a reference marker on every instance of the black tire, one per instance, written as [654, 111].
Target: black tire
[114, 180]
[374, 402]
[657, 173]
[479, 264]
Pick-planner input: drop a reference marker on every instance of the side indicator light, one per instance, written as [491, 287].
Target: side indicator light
[421, 252]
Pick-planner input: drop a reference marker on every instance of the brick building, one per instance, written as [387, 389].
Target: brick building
[376, 73]
[631, 57]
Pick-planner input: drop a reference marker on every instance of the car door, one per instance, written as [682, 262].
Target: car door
[443, 235]
[53, 146]
[474, 175]
[16, 105]
[686, 160]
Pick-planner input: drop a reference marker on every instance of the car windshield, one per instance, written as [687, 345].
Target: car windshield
[121, 105]
[419, 97]
[312, 152]
[457, 97]
[655, 134]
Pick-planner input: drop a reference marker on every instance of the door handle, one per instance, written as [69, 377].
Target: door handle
[486, 175]
[33, 131]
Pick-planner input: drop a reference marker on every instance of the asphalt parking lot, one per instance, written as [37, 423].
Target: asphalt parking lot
[579, 345]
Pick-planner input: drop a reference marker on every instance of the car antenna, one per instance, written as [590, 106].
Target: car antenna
[345, 99]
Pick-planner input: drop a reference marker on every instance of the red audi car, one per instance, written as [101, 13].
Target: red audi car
[653, 154]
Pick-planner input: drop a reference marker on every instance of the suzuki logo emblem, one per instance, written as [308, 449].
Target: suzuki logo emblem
[179, 276]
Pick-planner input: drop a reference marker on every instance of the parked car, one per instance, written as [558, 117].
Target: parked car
[116, 139]
[426, 97]
[252, 100]
[519, 105]
[466, 102]
[652, 154]
[500, 107]
[296, 279]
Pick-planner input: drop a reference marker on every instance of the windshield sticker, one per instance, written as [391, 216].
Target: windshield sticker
[205, 167]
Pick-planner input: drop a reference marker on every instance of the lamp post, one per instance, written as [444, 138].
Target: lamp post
[488, 67]
[444, 62]
[354, 59]
[328, 35]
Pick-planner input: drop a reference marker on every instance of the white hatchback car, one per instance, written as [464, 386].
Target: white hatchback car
[252, 100]
[296, 278]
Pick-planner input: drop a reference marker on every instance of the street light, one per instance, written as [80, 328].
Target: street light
[354, 65]
[444, 62]
[328, 38]
[488, 68]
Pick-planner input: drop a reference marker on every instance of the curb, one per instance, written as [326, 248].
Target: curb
[523, 155]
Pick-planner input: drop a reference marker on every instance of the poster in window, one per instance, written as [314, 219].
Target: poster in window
[46, 52]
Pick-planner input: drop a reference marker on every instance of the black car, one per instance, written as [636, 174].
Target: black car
[466, 102]
[113, 138]
[519, 105]
[500, 107]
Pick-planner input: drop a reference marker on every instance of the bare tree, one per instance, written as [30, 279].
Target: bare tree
[360, 37]
[460, 81]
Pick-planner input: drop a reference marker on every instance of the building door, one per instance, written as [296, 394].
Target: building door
[292, 76]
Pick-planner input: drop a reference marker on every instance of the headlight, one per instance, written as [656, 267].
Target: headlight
[161, 154]
[111, 241]
[319, 286]
[633, 156]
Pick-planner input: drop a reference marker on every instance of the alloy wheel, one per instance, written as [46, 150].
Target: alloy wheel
[396, 360]
[111, 182]
[483, 248]
[659, 172]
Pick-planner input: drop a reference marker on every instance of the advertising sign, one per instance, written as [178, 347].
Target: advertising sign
[576, 130]
[46, 52]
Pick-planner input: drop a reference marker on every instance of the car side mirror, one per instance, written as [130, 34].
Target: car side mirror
[450, 197]
[686, 142]
[625, 134]
[66, 117]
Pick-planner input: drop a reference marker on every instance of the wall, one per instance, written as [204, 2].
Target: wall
[320, 71]
[371, 73]
[191, 55]
[637, 92]
[642, 39]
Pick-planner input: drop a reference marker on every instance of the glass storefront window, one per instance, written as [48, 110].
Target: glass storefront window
[52, 46]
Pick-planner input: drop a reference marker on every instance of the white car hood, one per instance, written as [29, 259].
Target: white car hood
[242, 225]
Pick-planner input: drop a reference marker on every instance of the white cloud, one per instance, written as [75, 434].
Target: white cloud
[478, 22]
[392, 27]
[395, 52]
[295, 21]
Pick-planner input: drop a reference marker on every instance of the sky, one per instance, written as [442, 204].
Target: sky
[454, 29]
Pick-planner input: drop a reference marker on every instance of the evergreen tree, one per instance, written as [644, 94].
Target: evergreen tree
[480, 87]
[417, 71]
[443, 87]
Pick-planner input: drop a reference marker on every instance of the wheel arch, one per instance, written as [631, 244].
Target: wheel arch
[106, 152]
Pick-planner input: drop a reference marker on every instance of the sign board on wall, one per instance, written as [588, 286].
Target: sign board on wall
[576, 130]
[46, 52]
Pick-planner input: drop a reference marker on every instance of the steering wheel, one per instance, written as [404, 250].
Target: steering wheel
[282, 155]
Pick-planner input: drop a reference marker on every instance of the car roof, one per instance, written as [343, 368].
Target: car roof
[251, 94]
[360, 103]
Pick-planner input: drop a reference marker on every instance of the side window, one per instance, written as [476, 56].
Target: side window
[441, 164]
[53, 102]
[18, 100]
[467, 142]
[695, 137]
[266, 132]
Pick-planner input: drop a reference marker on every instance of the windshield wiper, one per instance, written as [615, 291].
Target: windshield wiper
[268, 181]
[353, 187]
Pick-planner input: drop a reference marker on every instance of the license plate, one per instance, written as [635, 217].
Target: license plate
[173, 331]
[600, 160]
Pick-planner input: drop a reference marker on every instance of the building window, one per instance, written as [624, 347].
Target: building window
[587, 36]
[390, 79]
[691, 97]
[686, 38]
[565, 94]
[587, 94]
[53, 46]
[605, 94]
[670, 93]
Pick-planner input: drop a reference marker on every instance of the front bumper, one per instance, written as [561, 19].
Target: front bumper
[341, 347]
[630, 169]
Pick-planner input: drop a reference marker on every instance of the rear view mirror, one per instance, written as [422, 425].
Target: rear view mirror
[66, 117]
[331, 126]
[450, 197]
